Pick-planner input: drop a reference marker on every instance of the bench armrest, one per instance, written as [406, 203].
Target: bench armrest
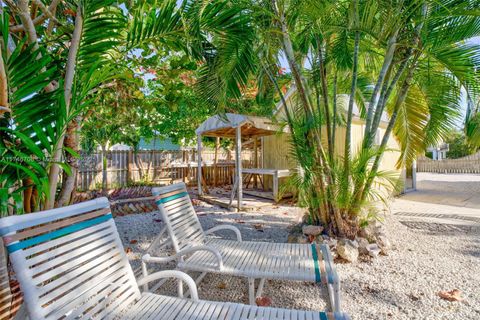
[226, 227]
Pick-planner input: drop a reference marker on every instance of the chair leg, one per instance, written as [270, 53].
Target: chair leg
[144, 273]
[336, 290]
[197, 282]
[180, 288]
[261, 284]
[251, 291]
[334, 296]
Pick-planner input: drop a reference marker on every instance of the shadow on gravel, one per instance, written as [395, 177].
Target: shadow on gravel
[387, 297]
[440, 229]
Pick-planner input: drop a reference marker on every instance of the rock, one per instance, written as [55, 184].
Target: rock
[373, 250]
[297, 238]
[332, 243]
[312, 230]
[292, 238]
[348, 251]
[302, 239]
[383, 242]
[362, 245]
[454, 295]
[369, 232]
[263, 301]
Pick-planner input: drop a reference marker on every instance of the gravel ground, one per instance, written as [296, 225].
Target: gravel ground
[426, 259]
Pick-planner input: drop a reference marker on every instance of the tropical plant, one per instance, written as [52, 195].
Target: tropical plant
[406, 59]
[472, 124]
[55, 56]
[458, 145]
[51, 66]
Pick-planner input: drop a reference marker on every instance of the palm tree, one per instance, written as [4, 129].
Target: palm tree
[60, 54]
[404, 58]
[51, 95]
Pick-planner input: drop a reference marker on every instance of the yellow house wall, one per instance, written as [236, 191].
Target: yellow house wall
[277, 154]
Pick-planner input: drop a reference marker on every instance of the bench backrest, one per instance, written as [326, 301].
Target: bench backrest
[70, 261]
[179, 216]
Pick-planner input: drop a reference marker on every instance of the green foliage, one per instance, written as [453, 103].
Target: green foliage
[42, 106]
[458, 146]
[412, 62]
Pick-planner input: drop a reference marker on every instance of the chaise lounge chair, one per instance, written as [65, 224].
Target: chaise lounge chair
[71, 264]
[194, 251]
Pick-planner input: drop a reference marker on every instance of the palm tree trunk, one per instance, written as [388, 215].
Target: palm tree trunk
[353, 89]
[387, 61]
[323, 79]
[4, 108]
[398, 103]
[71, 141]
[69, 76]
[334, 120]
[403, 66]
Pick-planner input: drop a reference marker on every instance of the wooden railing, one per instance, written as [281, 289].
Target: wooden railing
[468, 164]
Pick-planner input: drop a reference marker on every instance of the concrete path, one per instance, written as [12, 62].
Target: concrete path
[442, 198]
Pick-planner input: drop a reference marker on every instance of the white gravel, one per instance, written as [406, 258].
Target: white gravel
[426, 258]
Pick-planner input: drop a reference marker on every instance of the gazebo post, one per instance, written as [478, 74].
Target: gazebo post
[238, 158]
[255, 162]
[199, 164]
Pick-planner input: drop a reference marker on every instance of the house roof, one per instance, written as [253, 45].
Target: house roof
[225, 125]
[157, 143]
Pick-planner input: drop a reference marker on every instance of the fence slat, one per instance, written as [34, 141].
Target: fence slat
[468, 164]
[161, 167]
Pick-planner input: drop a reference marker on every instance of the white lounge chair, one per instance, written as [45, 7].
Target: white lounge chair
[71, 264]
[253, 260]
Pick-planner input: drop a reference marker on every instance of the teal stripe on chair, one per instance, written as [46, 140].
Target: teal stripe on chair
[175, 196]
[323, 316]
[330, 273]
[57, 233]
[315, 261]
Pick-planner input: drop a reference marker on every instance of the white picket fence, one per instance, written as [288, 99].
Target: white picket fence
[468, 164]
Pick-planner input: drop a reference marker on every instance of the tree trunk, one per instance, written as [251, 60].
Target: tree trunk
[69, 77]
[334, 121]
[27, 195]
[323, 79]
[4, 108]
[353, 89]
[71, 141]
[104, 168]
[398, 103]
[387, 61]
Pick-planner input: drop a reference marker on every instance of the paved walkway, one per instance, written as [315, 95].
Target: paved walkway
[442, 198]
